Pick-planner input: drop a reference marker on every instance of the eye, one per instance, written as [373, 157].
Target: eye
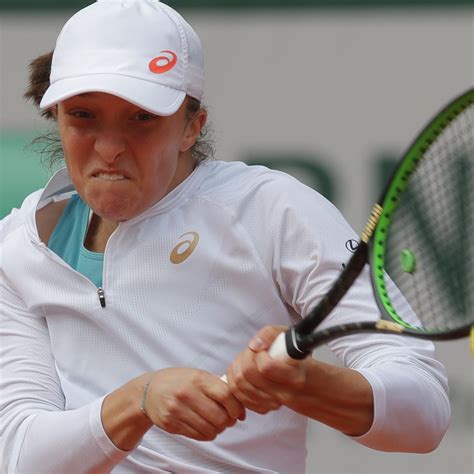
[84, 114]
[143, 116]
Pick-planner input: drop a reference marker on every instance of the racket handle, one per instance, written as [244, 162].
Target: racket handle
[278, 349]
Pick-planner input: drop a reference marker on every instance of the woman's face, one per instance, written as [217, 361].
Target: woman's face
[122, 159]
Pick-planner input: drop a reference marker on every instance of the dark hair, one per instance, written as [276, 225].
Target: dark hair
[49, 144]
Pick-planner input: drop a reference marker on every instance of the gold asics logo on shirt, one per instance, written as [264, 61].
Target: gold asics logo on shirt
[185, 248]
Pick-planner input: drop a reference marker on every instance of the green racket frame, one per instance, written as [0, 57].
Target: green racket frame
[389, 203]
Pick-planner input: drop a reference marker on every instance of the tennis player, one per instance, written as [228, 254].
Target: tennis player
[137, 277]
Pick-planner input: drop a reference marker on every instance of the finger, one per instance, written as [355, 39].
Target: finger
[256, 404]
[215, 411]
[253, 376]
[185, 429]
[265, 337]
[174, 416]
[222, 395]
[203, 404]
[280, 371]
[247, 378]
[251, 396]
[270, 383]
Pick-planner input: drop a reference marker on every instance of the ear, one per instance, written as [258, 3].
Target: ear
[193, 130]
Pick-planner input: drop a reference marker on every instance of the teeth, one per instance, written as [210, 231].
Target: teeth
[110, 176]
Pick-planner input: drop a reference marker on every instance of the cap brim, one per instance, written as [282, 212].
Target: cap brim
[154, 98]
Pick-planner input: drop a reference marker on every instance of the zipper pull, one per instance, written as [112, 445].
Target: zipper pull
[101, 293]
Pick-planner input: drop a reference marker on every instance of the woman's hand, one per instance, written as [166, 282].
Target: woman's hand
[187, 402]
[261, 383]
[192, 403]
[336, 396]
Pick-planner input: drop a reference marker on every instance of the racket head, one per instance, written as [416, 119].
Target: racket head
[423, 241]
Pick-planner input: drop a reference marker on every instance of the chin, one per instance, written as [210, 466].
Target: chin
[114, 210]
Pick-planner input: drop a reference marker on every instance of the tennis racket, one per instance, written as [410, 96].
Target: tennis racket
[419, 239]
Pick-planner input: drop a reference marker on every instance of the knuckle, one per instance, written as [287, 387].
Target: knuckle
[208, 434]
[197, 378]
[222, 394]
[231, 422]
[222, 420]
[234, 410]
[284, 398]
[220, 429]
[168, 425]
[260, 408]
[239, 378]
[207, 431]
[270, 332]
[233, 389]
[173, 408]
[266, 331]
[211, 437]
[266, 368]
[300, 384]
[247, 372]
[198, 437]
[182, 395]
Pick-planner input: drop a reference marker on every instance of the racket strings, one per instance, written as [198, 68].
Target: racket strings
[430, 251]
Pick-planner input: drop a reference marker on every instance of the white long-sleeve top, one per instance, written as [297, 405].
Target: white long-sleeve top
[265, 249]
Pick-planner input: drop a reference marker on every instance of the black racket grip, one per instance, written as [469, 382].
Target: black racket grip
[331, 299]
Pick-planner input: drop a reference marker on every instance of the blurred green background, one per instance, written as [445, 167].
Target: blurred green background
[20, 170]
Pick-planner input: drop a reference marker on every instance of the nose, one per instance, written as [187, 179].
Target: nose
[109, 144]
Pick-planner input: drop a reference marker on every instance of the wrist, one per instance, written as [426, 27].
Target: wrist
[144, 396]
[122, 417]
[336, 396]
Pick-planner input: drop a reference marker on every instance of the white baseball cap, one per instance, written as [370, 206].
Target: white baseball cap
[140, 50]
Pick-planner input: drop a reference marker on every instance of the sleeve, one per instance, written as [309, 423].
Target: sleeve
[35, 430]
[410, 387]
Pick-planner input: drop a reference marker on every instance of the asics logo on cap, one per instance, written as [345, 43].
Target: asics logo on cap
[164, 63]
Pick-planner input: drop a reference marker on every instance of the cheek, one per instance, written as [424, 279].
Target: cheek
[157, 173]
[157, 160]
[74, 161]
[76, 148]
